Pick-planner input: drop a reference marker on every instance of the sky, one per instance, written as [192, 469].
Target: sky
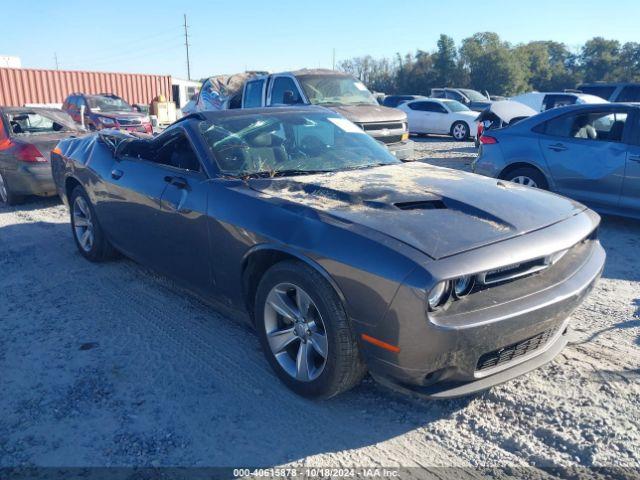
[144, 36]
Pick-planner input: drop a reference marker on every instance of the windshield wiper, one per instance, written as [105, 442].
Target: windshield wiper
[281, 173]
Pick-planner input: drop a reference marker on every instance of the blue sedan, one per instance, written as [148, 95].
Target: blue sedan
[590, 153]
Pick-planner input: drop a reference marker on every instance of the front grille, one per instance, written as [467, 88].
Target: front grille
[367, 127]
[514, 351]
[127, 121]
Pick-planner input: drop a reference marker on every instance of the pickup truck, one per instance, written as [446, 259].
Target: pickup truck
[337, 91]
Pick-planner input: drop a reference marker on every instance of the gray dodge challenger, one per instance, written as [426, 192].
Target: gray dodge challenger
[345, 260]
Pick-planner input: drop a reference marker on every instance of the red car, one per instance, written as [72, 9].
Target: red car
[105, 111]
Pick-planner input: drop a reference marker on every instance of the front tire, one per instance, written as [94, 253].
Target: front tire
[86, 229]
[460, 131]
[305, 332]
[527, 176]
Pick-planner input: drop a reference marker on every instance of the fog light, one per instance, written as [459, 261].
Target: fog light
[438, 295]
[463, 286]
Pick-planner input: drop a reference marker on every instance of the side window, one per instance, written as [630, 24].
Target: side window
[438, 93]
[455, 96]
[419, 106]
[285, 92]
[554, 101]
[630, 93]
[602, 126]
[178, 153]
[253, 94]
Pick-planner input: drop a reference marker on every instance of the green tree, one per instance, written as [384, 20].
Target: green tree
[445, 63]
[492, 64]
[599, 59]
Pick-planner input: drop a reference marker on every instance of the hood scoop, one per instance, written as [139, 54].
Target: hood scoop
[421, 205]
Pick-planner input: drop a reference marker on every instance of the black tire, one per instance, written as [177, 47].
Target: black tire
[460, 127]
[531, 173]
[6, 195]
[344, 367]
[100, 249]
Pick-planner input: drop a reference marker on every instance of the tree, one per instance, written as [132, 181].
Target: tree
[445, 63]
[599, 59]
[492, 64]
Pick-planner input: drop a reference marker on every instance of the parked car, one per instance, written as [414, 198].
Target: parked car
[446, 117]
[336, 91]
[471, 98]
[613, 92]
[344, 259]
[393, 101]
[27, 136]
[105, 111]
[587, 152]
[542, 101]
[501, 114]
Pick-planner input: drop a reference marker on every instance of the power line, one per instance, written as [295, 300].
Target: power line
[186, 44]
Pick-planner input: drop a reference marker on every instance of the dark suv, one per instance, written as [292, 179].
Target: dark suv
[105, 111]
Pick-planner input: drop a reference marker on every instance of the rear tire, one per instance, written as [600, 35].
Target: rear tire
[86, 229]
[315, 321]
[6, 195]
[527, 176]
[460, 131]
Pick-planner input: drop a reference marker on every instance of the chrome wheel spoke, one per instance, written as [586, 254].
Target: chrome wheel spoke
[303, 362]
[281, 339]
[303, 301]
[282, 304]
[319, 342]
[85, 238]
[80, 221]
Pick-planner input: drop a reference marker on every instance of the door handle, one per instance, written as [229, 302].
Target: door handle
[558, 147]
[634, 158]
[116, 174]
[177, 182]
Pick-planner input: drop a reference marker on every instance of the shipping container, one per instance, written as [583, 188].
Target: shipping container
[20, 86]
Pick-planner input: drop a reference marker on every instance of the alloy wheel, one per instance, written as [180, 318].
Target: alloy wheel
[295, 332]
[524, 180]
[459, 131]
[83, 224]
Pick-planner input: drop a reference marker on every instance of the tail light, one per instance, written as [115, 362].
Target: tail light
[487, 140]
[30, 153]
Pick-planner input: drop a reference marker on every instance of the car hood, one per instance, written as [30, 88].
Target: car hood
[370, 113]
[439, 211]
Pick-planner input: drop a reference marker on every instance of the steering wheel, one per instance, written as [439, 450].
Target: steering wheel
[312, 146]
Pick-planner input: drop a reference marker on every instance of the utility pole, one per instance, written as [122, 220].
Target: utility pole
[333, 62]
[55, 58]
[186, 44]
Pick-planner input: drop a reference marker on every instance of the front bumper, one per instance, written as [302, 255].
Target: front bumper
[31, 179]
[402, 150]
[443, 357]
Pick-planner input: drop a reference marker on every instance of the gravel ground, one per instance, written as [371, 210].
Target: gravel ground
[104, 365]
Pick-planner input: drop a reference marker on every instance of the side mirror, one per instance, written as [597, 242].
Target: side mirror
[288, 98]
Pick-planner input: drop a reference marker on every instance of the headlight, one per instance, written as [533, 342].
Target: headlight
[107, 121]
[438, 295]
[462, 286]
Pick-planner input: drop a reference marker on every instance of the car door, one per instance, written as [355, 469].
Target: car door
[253, 93]
[415, 116]
[283, 90]
[156, 211]
[630, 197]
[586, 154]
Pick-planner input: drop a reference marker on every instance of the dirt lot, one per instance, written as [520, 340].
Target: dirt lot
[112, 365]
